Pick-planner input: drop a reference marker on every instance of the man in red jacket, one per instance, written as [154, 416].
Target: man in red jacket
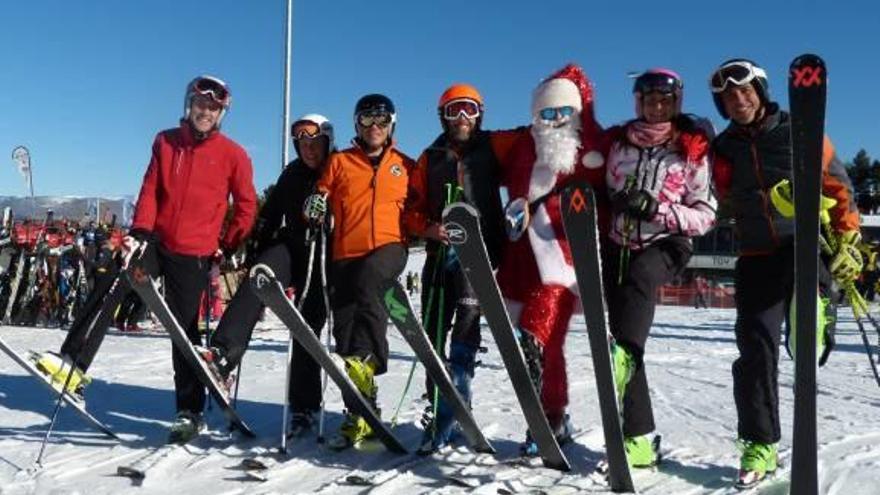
[180, 210]
[182, 205]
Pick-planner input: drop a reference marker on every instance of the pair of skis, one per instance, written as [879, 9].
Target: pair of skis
[394, 299]
[579, 218]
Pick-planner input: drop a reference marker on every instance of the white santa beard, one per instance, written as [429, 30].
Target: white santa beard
[556, 150]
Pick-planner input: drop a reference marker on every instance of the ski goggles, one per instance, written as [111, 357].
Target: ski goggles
[657, 83]
[738, 73]
[367, 119]
[305, 129]
[554, 113]
[467, 108]
[212, 88]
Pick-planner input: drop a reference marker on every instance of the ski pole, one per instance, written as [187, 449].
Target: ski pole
[310, 240]
[328, 311]
[74, 359]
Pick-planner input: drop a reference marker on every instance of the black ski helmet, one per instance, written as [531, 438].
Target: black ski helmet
[753, 74]
[376, 103]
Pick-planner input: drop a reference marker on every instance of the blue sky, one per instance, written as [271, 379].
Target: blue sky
[86, 85]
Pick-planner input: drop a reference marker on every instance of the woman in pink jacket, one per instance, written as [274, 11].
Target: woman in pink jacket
[658, 181]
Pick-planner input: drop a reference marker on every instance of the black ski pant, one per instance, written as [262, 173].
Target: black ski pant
[631, 304]
[289, 261]
[764, 286]
[185, 278]
[360, 322]
[446, 293]
[87, 332]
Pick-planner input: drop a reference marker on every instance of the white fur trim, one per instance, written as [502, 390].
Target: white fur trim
[552, 265]
[593, 159]
[559, 92]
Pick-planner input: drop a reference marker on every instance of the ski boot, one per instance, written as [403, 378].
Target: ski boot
[623, 365]
[186, 426]
[220, 367]
[354, 428]
[758, 461]
[301, 423]
[442, 430]
[57, 369]
[563, 431]
[353, 431]
[641, 451]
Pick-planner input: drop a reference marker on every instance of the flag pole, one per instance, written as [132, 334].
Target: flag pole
[288, 30]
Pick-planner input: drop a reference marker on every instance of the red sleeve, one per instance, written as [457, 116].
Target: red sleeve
[244, 198]
[415, 215]
[145, 211]
[722, 174]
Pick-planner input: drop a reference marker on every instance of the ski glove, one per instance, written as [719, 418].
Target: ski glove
[516, 218]
[315, 208]
[641, 205]
[846, 265]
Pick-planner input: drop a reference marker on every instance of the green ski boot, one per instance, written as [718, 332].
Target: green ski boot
[186, 426]
[758, 461]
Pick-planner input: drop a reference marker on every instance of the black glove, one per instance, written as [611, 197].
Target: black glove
[641, 205]
[620, 201]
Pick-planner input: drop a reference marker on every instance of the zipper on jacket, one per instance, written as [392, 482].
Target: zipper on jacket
[373, 184]
[177, 161]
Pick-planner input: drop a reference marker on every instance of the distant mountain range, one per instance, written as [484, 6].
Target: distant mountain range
[72, 207]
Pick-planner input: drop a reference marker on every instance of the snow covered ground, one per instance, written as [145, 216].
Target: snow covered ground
[689, 357]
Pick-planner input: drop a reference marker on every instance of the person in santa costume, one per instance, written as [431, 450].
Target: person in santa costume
[536, 274]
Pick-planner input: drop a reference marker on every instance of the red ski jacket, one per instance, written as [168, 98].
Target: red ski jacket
[186, 189]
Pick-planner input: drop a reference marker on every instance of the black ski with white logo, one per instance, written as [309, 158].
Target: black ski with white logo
[147, 289]
[399, 309]
[806, 94]
[579, 219]
[271, 292]
[462, 224]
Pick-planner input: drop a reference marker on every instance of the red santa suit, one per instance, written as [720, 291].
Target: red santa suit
[536, 274]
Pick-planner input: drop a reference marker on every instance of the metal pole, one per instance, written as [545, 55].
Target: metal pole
[288, 31]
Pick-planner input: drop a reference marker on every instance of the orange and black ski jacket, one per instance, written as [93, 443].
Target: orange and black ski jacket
[750, 160]
[476, 169]
[366, 201]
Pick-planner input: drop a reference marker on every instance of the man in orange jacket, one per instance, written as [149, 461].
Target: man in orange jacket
[366, 187]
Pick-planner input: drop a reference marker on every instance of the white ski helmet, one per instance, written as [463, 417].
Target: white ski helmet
[211, 86]
[325, 128]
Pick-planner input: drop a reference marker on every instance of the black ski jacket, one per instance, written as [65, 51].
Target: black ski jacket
[749, 160]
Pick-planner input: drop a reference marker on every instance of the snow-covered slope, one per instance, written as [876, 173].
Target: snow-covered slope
[689, 358]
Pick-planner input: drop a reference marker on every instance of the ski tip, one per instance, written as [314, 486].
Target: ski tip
[460, 206]
[261, 275]
[807, 59]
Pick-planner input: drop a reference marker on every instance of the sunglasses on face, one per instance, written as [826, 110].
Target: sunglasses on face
[305, 129]
[367, 119]
[551, 113]
[209, 87]
[737, 73]
[457, 108]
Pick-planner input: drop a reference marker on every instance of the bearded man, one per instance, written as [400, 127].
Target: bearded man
[536, 275]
